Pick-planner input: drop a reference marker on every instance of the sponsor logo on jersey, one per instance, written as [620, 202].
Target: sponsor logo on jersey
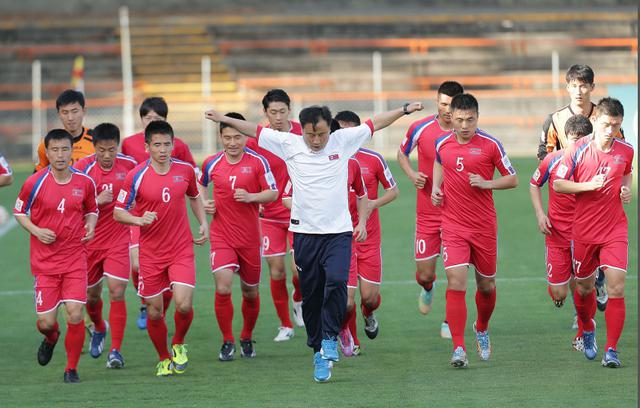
[19, 204]
[122, 196]
[536, 175]
[562, 171]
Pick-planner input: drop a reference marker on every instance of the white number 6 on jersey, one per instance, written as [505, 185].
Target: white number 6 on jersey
[166, 197]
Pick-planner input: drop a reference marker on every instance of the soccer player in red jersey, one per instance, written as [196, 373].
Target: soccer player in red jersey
[462, 185]
[601, 168]
[153, 108]
[423, 135]
[556, 223]
[57, 206]
[375, 171]
[242, 180]
[153, 198]
[109, 251]
[6, 174]
[274, 217]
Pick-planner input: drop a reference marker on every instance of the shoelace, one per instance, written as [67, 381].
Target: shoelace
[483, 339]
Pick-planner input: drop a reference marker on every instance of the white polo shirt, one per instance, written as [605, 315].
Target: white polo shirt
[320, 203]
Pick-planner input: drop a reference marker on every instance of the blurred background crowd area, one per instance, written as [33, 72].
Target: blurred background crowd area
[365, 56]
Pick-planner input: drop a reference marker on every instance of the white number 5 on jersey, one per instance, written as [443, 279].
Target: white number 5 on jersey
[459, 164]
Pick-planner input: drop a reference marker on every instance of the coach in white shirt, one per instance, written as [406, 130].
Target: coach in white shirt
[318, 166]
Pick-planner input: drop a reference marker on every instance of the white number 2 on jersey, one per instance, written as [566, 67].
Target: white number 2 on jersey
[108, 186]
[459, 164]
[61, 206]
[232, 179]
[166, 197]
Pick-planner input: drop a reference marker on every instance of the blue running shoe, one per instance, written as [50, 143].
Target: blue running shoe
[97, 341]
[142, 318]
[610, 359]
[483, 343]
[425, 300]
[590, 346]
[115, 360]
[321, 368]
[329, 349]
[459, 358]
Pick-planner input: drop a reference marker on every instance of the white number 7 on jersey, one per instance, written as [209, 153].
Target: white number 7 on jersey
[232, 179]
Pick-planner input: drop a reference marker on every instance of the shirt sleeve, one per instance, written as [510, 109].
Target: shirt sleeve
[410, 140]
[351, 139]
[42, 157]
[629, 166]
[544, 136]
[90, 199]
[127, 196]
[265, 177]
[192, 187]
[541, 175]
[383, 173]
[5, 169]
[501, 160]
[288, 190]
[23, 204]
[567, 166]
[278, 143]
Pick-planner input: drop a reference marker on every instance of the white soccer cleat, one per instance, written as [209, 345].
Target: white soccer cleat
[297, 314]
[445, 332]
[284, 334]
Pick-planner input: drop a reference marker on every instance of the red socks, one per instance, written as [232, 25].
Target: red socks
[485, 304]
[157, 330]
[280, 297]
[73, 341]
[50, 335]
[614, 316]
[585, 308]
[224, 315]
[347, 318]
[353, 327]
[118, 320]
[426, 285]
[250, 311]
[366, 312]
[456, 312]
[95, 314]
[297, 295]
[183, 322]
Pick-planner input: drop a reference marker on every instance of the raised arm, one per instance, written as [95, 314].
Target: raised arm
[383, 120]
[246, 128]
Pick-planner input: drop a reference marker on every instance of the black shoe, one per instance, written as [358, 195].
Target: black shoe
[246, 348]
[71, 376]
[45, 352]
[226, 351]
[371, 326]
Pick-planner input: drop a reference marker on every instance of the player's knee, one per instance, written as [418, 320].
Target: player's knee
[615, 289]
[183, 307]
[116, 293]
[370, 301]
[584, 288]
[351, 303]
[154, 312]
[75, 316]
[46, 322]
[559, 293]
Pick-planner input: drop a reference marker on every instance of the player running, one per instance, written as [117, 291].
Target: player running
[153, 198]
[109, 252]
[423, 135]
[242, 180]
[462, 185]
[153, 108]
[70, 106]
[556, 223]
[601, 168]
[274, 218]
[57, 206]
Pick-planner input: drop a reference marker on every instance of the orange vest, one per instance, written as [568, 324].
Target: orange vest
[82, 147]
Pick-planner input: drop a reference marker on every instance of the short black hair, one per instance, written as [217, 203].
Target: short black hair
[464, 101]
[578, 125]
[348, 116]
[105, 131]
[313, 114]
[335, 125]
[68, 97]
[580, 72]
[57, 134]
[157, 127]
[276, 95]
[156, 104]
[234, 115]
[450, 88]
[610, 107]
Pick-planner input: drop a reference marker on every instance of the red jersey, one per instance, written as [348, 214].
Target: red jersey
[60, 208]
[5, 169]
[561, 207]
[275, 210]
[169, 235]
[423, 135]
[599, 216]
[464, 207]
[235, 223]
[357, 189]
[134, 146]
[374, 171]
[108, 231]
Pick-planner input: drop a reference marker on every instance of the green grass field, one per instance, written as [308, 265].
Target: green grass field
[407, 365]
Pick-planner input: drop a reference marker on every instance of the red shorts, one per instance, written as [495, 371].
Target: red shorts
[369, 260]
[588, 257]
[427, 243]
[51, 290]
[157, 277]
[134, 242]
[113, 262]
[245, 261]
[477, 249]
[274, 237]
[559, 265]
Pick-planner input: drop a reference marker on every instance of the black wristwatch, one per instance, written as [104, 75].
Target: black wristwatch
[404, 108]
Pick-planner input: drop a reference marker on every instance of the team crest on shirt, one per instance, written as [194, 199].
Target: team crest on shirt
[476, 151]
[335, 156]
[618, 159]
[122, 196]
[178, 179]
[245, 170]
[121, 176]
[19, 204]
[364, 170]
[562, 171]
[77, 192]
